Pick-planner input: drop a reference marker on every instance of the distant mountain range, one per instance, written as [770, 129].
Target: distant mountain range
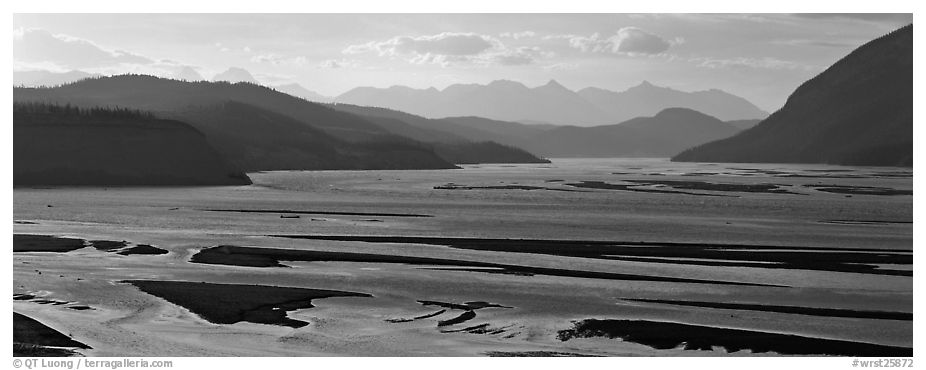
[647, 99]
[60, 145]
[859, 111]
[235, 74]
[552, 103]
[662, 135]
[187, 73]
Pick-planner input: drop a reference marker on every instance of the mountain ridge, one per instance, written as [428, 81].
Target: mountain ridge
[859, 111]
[508, 100]
[64, 145]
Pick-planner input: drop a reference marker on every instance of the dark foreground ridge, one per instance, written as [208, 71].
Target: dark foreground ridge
[231, 303]
[864, 261]
[66, 145]
[271, 257]
[859, 111]
[33, 339]
[293, 212]
[669, 335]
[811, 311]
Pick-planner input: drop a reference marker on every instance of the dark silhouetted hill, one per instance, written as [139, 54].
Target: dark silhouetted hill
[745, 124]
[262, 129]
[63, 145]
[662, 135]
[484, 152]
[260, 140]
[165, 95]
[857, 112]
[460, 143]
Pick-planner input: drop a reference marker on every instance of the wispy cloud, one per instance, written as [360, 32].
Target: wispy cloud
[820, 43]
[39, 49]
[627, 41]
[277, 59]
[743, 62]
[451, 48]
[339, 63]
[447, 43]
[39, 45]
[561, 67]
[517, 35]
[891, 18]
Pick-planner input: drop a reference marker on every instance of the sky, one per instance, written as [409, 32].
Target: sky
[761, 57]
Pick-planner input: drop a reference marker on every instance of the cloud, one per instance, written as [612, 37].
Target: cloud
[561, 67]
[278, 60]
[447, 43]
[451, 48]
[627, 40]
[38, 45]
[338, 63]
[517, 35]
[891, 18]
[38, 49]
[740, 62]
[821, 43]
[523, 55]
[635, 40]
[19, 66]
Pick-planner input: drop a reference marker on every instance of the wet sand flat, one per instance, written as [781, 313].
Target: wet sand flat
[506, 269]
[668, 335]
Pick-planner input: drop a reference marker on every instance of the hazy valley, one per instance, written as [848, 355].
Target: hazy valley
[246, 214]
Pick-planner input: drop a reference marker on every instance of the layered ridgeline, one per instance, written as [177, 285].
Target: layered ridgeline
[456, 142]
[662, 135]
[260, 128]
[552, 103]
[857, 112]
[647, 99]
[258, 139]
[64, 145]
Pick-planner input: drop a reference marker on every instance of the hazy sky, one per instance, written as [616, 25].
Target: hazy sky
[761, 57]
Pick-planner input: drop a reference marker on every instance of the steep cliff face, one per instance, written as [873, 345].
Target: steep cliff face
[70, 147]
[857, 112]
